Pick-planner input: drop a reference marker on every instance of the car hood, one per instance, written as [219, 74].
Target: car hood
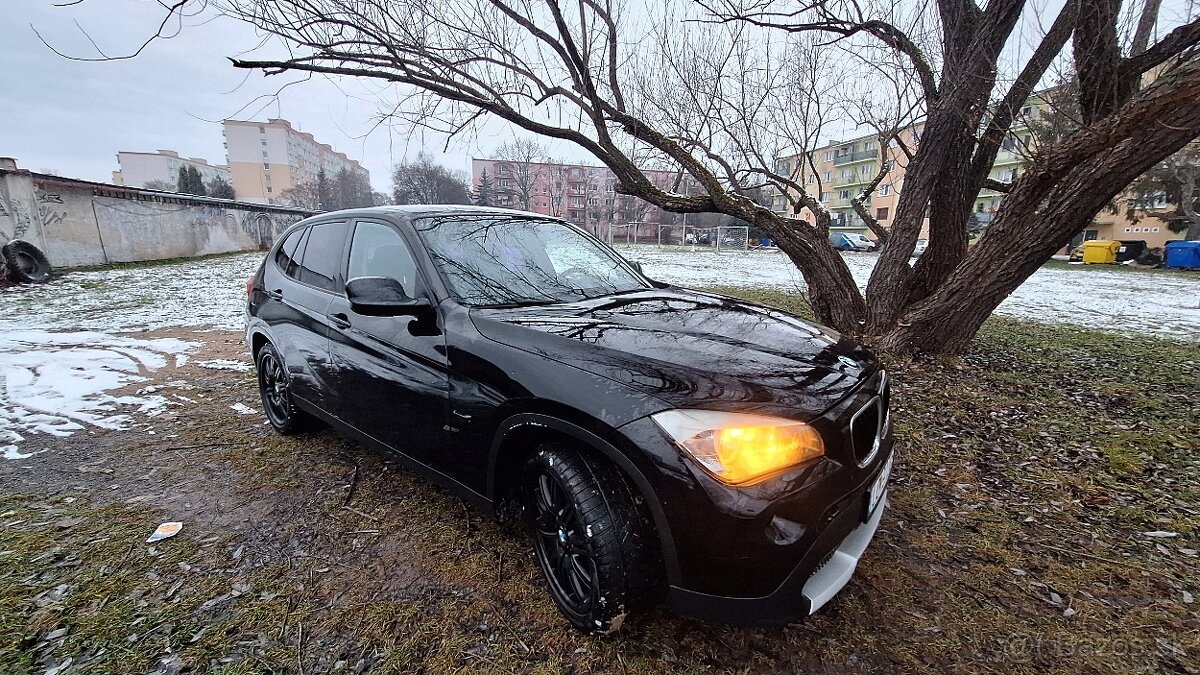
[691, 349]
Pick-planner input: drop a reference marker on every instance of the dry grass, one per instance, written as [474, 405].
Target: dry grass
[1028, 471]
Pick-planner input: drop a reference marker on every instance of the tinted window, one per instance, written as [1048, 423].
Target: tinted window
[379, 251]
[323, 255]
[286, 257]
[492, 259]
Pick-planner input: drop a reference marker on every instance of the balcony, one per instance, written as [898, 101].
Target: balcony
[856, 179]
[860, 156]
[1008, 157]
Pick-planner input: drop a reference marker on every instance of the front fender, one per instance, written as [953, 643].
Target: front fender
[642, 484]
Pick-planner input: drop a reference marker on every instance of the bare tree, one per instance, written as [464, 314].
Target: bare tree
[423, 181]
[522, 168]
[713, 89]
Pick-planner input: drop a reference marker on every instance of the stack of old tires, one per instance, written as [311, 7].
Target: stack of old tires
[22, 262]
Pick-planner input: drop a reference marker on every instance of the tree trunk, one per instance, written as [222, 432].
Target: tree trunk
[835, 298]
[1055, 200]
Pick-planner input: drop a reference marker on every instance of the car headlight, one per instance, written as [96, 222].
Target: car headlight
[738, 448]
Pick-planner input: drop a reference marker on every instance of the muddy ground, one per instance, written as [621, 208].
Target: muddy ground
[1015, 542]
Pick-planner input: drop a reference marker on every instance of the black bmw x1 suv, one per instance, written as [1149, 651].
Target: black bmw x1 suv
[661, 443]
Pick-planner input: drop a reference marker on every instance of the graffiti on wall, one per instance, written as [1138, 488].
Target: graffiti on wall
[260, 227]
[51, 209]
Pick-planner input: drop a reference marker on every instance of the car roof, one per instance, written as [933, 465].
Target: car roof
[424, 210]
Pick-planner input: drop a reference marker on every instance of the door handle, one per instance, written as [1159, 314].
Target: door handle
[275, 294]
[340, 320]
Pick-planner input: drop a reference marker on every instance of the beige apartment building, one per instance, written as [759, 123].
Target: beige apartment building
[838, 173]
[162, 166]
[846, 167]
[267, 158]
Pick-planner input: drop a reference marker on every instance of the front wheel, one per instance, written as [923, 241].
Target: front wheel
[593, 542]
[275, 388]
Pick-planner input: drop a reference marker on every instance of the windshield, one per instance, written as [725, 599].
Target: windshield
[489, 259]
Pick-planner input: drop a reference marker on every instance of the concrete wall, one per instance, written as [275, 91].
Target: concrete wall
[82, 223]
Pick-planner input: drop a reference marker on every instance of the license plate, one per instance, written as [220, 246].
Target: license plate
[879, 487]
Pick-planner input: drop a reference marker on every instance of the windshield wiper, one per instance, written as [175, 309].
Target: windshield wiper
[522, 302]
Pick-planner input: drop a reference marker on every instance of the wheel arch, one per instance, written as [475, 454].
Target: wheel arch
[258, 338]
[504, 467]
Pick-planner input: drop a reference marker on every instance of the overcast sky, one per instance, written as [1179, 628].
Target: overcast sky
[72, 117]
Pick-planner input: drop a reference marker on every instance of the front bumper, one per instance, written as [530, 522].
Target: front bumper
[823, 571]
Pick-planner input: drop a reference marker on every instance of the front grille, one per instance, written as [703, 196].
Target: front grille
[865, 430]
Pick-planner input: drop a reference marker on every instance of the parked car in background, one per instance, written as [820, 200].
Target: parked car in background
[661, 443]
[853, 241]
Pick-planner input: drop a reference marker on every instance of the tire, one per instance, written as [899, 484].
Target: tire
[26, 262]
[593, 542]
[274, 386]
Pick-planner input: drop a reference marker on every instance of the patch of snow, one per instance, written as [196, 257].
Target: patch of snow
[243, 409]
[208, 293]
[226, 364]
[1160, 304]
[55, 383]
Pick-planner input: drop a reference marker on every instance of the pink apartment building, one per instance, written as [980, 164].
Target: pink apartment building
[584, 195]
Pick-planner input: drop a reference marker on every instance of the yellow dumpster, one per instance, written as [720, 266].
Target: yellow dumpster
[1100, 251]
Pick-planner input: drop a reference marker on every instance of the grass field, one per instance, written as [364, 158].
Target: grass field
[1045, 517]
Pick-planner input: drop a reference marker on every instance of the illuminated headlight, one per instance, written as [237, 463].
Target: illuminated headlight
[738, 448]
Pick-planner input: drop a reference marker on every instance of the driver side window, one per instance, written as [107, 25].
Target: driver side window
[379, 251]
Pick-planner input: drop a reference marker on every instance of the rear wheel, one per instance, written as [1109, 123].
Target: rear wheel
[275, 387]
[593, 543]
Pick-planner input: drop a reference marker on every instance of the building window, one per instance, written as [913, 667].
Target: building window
[262, 129]
[889, 164]
[885, 190]
[1154, 230]
[824, 196]
[829, 156]
[979, 208]
[1129, 229]
[881, 213]
[263, 142]
[266, 165]
[268, 189]
[828, 175]
[843, 194]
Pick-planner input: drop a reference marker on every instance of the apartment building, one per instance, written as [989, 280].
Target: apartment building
[582, 194]
[267, 158]
[846, 167]
[162, 166]
[839, 171]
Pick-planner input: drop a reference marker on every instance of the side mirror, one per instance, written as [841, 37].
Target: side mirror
[383, 296]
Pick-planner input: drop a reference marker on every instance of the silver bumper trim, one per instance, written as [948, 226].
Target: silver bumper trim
[827, 581]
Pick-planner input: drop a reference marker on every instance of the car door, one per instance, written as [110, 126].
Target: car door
[299, 292]
[391, 369]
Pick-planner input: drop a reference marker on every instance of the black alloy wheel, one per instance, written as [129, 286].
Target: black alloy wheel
[275, 387]
[593, 542]
[562, 548]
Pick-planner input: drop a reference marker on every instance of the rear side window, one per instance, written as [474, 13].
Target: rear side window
[379, 251]
[323, 255]
[286, 257]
